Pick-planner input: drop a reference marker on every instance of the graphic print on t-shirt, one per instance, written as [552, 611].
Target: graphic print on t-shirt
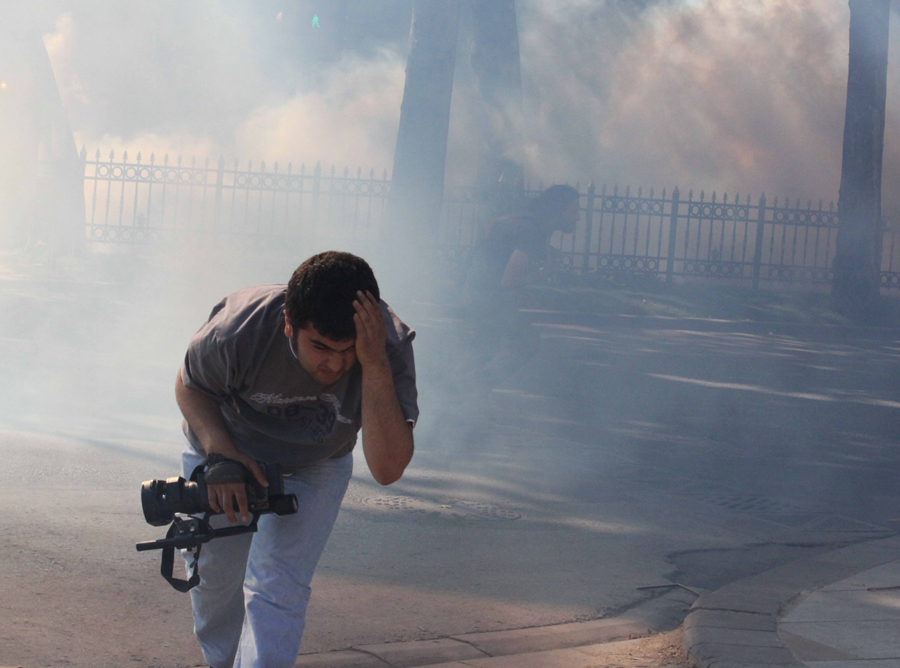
[316, 414]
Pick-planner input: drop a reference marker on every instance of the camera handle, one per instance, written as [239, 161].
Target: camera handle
[189, 533]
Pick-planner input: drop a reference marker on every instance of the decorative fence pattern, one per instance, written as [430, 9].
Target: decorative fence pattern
[135, 203]
[620, 232]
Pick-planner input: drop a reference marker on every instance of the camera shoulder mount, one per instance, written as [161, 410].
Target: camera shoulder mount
[188, 533]
[185, 504]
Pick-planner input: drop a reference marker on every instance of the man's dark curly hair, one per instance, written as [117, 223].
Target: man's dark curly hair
[322, 291]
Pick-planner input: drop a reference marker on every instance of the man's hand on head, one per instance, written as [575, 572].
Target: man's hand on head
[371, 334]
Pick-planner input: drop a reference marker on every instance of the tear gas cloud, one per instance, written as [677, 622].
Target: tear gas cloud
[729, 96]
[736, 96]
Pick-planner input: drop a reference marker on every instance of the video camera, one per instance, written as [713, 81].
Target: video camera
[165, 501]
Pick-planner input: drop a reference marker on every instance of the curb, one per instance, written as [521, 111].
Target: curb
[737, 624]
[657, 615]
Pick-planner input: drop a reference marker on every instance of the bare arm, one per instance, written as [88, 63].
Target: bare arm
[203, 415]
[387, 436]
[516, 274]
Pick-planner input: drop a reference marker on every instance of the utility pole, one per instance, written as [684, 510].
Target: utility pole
[857, 262]
[421, 151]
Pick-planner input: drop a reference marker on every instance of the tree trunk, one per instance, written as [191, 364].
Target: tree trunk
[495, 61]
[857, 263]
[41, 174]
[421, 151]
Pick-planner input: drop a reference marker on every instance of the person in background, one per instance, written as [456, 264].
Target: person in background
[510, 256]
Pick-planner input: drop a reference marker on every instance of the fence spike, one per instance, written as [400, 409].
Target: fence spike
[166, 159]
[640, 191]
[178, 161]
[714, 197]
[193, 160]
[249, 165]
[290, 167]
[83, 153]
[152, 158]
[125, 156]
[97, 155]
[651, 192]
[139, 157]
[111, 155]
[372, 174]
[236, 160]
[302, 168]
[384, 174]
[820, 205]
[664, 193]
[627, 191]
[798, 203]
[262, 166]
[359, 172]
[691, 195]
[275, 167]
[616, 190]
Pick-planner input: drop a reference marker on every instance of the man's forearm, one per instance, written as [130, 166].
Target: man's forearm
[204, 417]
[387, 436]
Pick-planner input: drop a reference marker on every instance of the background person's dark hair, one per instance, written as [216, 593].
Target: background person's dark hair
[322, 291]
[552, 202]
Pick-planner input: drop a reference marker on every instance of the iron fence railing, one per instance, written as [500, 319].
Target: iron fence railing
[621, 232]
[136, 202]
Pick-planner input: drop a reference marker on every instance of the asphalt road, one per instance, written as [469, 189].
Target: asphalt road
[618, 458]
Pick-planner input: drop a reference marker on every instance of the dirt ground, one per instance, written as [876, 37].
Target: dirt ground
[664, 650]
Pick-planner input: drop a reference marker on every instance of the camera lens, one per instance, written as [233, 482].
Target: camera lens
[153, 501]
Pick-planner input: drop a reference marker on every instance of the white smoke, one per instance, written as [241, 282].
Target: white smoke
[731, 95]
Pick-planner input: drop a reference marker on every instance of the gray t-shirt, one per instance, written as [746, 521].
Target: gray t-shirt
[273, 409]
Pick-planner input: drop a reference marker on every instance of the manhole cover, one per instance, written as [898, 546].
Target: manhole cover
[392, 502]
[764, 508]
[454, 508]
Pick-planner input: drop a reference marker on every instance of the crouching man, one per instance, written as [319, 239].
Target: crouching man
[289, 375]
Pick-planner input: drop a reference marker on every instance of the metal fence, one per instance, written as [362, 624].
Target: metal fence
[620, 233]
[139, 202]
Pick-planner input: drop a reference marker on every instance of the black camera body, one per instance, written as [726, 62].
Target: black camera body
[162, 499]
[185, 503]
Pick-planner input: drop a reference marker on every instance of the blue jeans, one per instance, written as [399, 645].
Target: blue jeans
[250, 605]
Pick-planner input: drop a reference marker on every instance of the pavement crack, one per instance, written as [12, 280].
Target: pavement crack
[463, 640]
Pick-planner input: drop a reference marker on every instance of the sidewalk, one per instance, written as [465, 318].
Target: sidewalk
[837, 610]
[574, 645]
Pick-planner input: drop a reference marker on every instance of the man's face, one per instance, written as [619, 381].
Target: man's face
[326, 360]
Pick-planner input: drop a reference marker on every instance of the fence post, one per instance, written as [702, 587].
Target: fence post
[673, 230]
[589, 227]
[757, 252]
[220, 180]
[317, 184]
